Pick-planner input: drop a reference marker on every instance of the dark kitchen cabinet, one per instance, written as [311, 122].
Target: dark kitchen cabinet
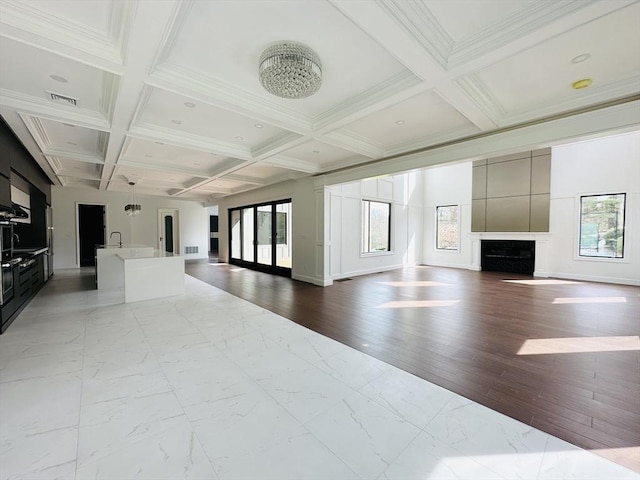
[5, 191]
[28, 278]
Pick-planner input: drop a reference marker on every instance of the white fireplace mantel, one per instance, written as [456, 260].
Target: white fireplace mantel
[541, 268]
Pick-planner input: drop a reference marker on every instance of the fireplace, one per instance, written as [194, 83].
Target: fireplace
[513, 256]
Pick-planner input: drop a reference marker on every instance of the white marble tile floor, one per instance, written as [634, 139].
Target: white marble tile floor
[208, 386]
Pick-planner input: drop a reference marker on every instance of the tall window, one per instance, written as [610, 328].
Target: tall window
[447, 227]
[602, 225]
[376, 226]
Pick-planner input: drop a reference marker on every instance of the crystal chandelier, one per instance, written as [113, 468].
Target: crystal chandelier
[133, 208]
[290, 70]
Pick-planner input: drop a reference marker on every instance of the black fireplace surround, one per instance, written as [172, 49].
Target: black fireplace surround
[512, 256]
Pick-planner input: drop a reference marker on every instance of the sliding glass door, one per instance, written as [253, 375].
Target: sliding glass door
[260, 236]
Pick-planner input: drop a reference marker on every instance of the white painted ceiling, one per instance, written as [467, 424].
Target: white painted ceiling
[168, 92]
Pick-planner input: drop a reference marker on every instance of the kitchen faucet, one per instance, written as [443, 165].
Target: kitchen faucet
[120, 234]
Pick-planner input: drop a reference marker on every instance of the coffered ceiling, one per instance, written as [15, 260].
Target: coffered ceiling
[166, 93]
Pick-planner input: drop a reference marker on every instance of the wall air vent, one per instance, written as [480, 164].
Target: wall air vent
[58, 98]
[191, 249]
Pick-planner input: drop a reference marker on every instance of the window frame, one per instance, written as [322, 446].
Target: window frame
[597, 258]
[366, 226]
[439, 249]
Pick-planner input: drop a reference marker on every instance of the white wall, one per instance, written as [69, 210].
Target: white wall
[448, 185]
[606, 165]
[141, 229]
[405, 193]
[305, 229]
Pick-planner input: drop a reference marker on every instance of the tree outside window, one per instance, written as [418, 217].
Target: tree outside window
[602, 225]
[447, 227]
[376, 220]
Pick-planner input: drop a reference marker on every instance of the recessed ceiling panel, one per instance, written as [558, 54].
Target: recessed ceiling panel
[420, 117]
[65, 136]
[165, 155]
[464, 19]
[146, 175]
[224, 40]
[70, 168]
[33, 72]
[169, 110]
[542, 76]
[93, 14]
[320, 153]
[261, 172]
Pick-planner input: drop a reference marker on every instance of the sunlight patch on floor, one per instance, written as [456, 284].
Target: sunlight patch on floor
[418, 303]
[549, 281]
[417, 283]
[558, 301]
[541, 346]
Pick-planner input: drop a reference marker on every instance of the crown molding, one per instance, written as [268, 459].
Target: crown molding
[134, 162]
[193, 83]
[175, 23]
[416, 19]
[425, 142]
[109, 94]
[399, 87]
[108, 44]
[245, 179]
[78, 156]
[292, 164]
[277, 145]
[37, 131]
[354, 143]
[480, 94]
[575, 100]
[516, 26]
[39, 107]
[154, 133]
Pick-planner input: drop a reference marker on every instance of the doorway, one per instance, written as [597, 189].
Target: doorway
[168, 226]
[260, 237]
[91, 232]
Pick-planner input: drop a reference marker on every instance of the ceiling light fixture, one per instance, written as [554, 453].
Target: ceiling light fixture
[133, 208]
[189, 104]
[239, 138]
[584, 83]
[258, 125]
[581, 58]
[290, 70]
[400, 122]
[177, 122]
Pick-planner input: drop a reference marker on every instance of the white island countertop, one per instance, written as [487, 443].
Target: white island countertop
[143, 272]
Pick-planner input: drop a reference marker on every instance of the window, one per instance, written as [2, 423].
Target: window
[376, 226]
[447, 227]
[602, 225]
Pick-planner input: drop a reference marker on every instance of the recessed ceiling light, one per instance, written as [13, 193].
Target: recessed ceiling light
[58, 78]
[584, 83]
[159, 143]
[148, 156]
[196, 164]
[258, 125]
[400, 122]
[239, 138]
[177, 122]
[316, 151]
[581, 58]
[189, 104]
[72, 143]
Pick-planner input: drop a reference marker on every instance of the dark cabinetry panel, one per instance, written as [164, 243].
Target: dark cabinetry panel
[27, 281]
[5, 191]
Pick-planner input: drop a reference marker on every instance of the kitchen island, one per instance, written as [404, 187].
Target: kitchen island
[143, 272]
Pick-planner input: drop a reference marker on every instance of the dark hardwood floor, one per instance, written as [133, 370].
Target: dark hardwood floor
[562, 356]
